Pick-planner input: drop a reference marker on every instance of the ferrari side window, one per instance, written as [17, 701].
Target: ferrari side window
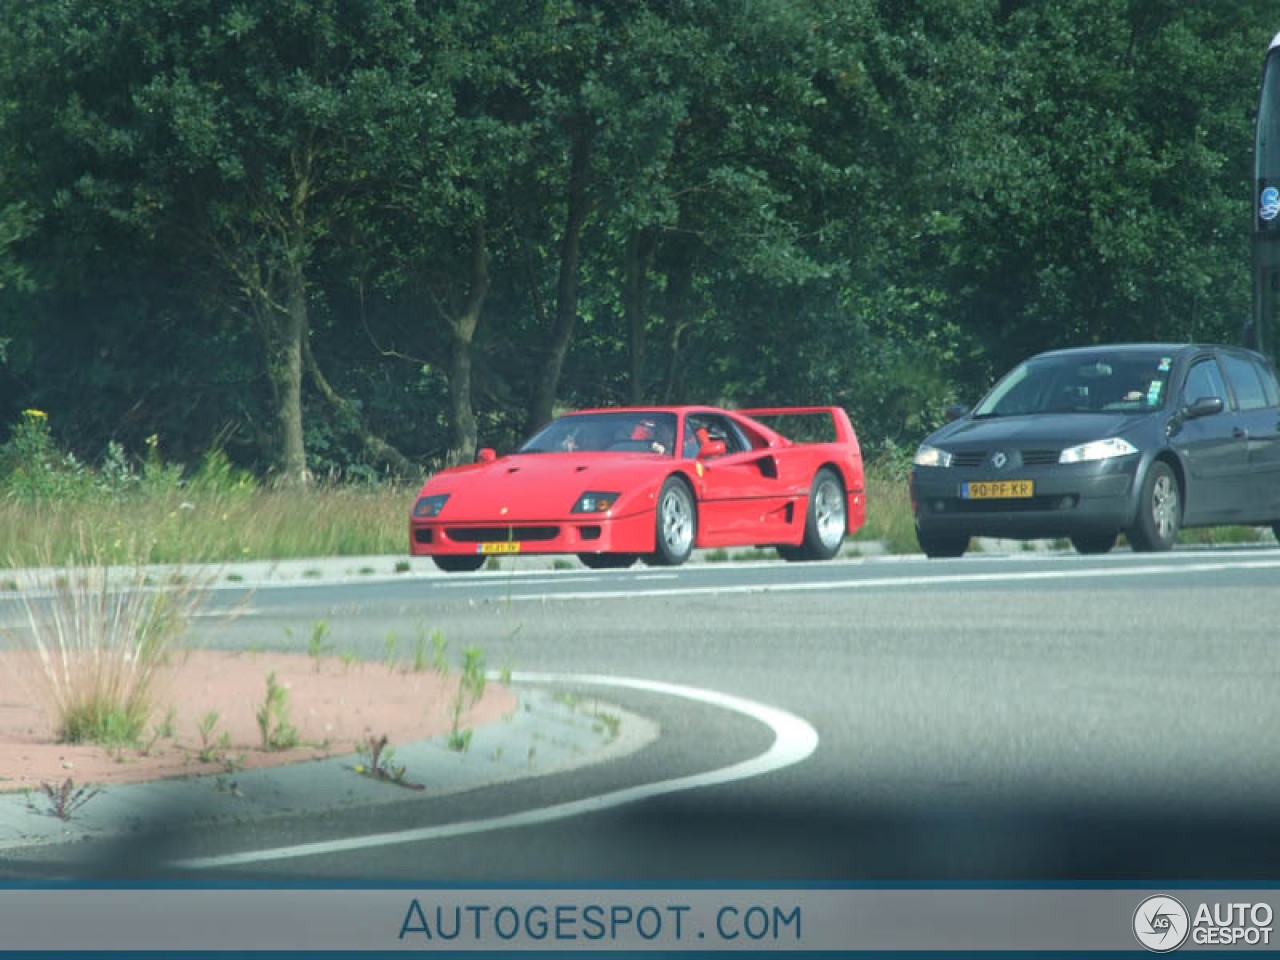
[720, 429]
[689, 443]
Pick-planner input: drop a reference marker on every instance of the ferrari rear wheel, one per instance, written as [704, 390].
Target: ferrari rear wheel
[459, 562]
[607, 561]
[825, 522]
[677, 524]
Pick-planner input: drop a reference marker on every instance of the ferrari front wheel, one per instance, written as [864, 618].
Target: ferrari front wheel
[459, 562]
[825, 521]
[677, 524]
[607, 561]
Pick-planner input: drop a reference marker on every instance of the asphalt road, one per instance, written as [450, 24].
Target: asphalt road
[995, 717]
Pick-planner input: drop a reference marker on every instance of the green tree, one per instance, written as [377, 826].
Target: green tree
[239, 133]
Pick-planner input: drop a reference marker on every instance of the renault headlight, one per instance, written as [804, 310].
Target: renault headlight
[1098, 450]
[928, 456]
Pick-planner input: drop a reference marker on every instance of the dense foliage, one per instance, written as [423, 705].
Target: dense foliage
[360, 236]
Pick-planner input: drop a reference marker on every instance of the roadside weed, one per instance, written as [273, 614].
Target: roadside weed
[205, 727]
[273, 718]
[439, 656]
[163, 729]
[66, 799]
[470, 689]
[376, 763]
[319, 646]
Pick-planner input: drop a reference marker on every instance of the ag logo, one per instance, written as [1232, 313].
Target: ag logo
[1269, 203]
[999, 460]
[1161, 923]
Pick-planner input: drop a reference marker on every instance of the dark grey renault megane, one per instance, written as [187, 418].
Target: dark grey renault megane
[1142, 439]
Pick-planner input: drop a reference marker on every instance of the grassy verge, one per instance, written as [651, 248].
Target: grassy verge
[186, 526]
[54, 508]
[889, 517]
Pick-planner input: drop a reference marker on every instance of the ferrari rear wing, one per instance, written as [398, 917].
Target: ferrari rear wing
[843, 428]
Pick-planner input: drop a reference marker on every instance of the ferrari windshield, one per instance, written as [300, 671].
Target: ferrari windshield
[627, 431]
[1081, 383]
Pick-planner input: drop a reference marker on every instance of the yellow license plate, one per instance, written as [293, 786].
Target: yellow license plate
[998, 490]
[501, 546]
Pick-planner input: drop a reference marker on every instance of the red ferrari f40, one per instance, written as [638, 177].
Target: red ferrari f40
[616, 485]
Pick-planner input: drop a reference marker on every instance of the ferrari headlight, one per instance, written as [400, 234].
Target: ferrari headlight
[928, 456]
[430, 506]
[595, 501]
[1098, 450]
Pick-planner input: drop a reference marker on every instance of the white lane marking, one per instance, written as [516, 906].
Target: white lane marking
[543, 580]
[912, 581]
[794, 740]
[657, 576]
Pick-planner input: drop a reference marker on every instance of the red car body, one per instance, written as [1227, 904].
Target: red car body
[614, 485]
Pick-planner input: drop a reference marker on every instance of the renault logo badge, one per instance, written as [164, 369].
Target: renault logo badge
[999, 460]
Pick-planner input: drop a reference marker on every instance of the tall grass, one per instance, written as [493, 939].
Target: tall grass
[97, 636]
[889, 516]
[187, 527]
[149, 511]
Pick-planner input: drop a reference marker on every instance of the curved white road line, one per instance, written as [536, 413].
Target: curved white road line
[794, 740]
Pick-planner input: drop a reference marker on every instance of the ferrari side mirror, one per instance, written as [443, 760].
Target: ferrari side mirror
[712, 448]
[486, 455]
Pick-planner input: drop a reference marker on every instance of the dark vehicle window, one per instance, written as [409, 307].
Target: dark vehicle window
[689, 443]
[622, 432]
[718, 428]
[1204, 380]
[1269, 385]
[1074, 383]
[1243, 376]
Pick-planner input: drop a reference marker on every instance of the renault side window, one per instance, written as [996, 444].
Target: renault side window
[1204, 380]
[1269, 386]
[1245, 383]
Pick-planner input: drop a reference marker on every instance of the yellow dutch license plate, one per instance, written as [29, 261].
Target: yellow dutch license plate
[501, 546]
[998, 490]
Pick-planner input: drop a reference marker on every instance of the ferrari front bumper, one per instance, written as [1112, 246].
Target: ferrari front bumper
[579, 533]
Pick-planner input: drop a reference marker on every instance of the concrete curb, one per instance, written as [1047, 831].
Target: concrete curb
[546, 734]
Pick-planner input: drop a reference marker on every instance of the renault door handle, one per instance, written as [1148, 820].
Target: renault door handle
[1240, 433]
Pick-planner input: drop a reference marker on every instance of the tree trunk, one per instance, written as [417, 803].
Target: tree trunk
[462, 418]
[374, 445]
[639, 256]
[679, 291]
[290, 330]
[544, 396]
